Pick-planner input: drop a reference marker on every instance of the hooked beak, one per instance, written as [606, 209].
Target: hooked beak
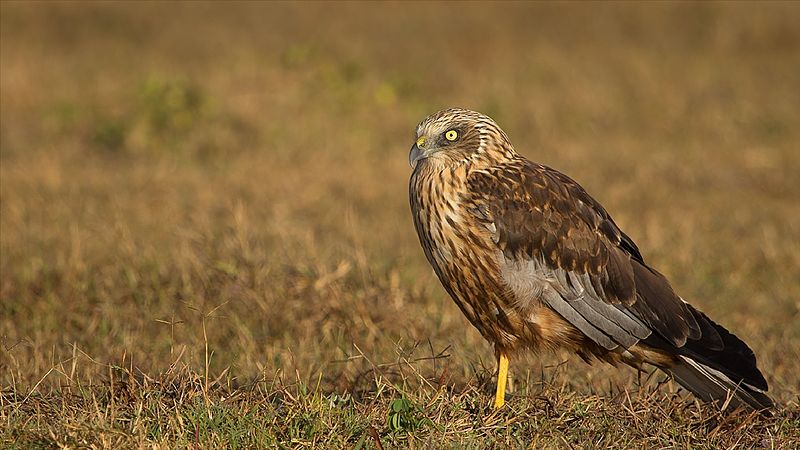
[415, 155]
[417, 152]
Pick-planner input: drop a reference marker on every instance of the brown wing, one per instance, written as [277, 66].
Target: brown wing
[545, 222]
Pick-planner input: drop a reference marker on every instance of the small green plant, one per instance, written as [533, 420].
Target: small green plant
[404, 416]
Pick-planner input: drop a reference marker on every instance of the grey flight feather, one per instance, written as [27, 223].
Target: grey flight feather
[574, 298]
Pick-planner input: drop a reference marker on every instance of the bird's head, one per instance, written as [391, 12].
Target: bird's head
[454, 136]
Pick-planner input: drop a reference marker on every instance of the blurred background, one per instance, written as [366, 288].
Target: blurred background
[186, 179]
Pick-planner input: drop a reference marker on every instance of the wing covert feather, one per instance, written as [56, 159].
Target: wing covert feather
[601, 284]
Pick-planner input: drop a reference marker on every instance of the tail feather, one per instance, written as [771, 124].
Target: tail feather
[710, 384]
[734, 358]
[716, 366]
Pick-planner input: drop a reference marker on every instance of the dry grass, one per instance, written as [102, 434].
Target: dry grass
[205, 238]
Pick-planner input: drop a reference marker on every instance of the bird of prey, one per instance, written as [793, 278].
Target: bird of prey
[534, 262]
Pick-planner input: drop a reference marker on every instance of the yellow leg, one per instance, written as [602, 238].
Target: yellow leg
[502, 377]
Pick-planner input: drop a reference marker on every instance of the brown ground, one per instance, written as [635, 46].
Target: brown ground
[205, 238]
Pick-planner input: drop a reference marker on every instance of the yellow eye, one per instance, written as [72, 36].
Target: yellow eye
[451, 135]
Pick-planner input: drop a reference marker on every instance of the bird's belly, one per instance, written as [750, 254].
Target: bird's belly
[498, 308]
[474, 283]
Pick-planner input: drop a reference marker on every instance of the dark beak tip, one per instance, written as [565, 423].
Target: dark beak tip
[415, 155]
